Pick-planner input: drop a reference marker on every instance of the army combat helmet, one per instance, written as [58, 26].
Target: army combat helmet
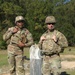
[19, 18]
[50, 19]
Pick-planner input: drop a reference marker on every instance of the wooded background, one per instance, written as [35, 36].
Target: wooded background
[35, 12]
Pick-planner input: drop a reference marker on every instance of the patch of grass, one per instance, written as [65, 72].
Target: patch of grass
[3, 58]
[26, 52]
[69, 50]
[68, 72]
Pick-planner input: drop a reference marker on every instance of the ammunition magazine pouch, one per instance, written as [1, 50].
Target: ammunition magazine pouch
[50, 47]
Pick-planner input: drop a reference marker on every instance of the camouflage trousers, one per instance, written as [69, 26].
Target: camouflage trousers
[51, 65]
[16, 61]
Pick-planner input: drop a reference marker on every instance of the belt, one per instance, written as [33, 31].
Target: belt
[50, 54]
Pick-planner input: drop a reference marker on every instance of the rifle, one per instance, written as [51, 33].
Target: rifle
[25, 57]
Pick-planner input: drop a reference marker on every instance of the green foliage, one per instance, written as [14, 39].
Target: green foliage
[35, 12]
[3, 45]
[65, 18]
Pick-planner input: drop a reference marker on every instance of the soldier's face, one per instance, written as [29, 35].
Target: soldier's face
[50, 26]
[20, 24]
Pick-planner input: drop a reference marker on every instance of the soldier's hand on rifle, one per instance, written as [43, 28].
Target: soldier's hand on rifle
[21, 44]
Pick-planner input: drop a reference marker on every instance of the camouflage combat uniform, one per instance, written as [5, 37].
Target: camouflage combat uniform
[15, 53]
[51, 52]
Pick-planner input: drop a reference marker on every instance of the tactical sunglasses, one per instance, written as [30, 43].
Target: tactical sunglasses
[50, 23]
[20, 21]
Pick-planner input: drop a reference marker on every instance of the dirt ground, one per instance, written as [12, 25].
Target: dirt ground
[65, 63]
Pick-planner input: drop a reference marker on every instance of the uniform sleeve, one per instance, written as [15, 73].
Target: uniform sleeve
[62, 41]
[7, 35]
[40, 42]
[29, 39]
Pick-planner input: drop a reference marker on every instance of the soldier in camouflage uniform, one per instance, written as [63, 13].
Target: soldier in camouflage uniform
[17, 38]
[52, 42]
